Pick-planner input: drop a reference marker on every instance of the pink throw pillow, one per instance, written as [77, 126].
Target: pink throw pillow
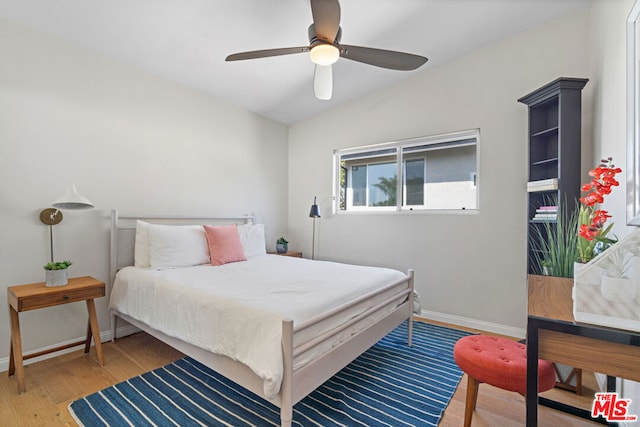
[224, 244]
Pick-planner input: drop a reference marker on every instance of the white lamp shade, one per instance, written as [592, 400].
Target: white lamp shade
[323, 82]
[324, 54]
[72, 200]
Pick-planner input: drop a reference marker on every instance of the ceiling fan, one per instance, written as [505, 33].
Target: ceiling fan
[325, 49]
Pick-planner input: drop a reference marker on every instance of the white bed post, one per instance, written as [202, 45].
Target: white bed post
[410, 273]
[113, 265]
[286, 389]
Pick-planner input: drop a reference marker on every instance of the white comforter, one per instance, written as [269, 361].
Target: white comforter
[237, 309]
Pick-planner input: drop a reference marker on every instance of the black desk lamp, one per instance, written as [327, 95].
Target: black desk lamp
[314, 213]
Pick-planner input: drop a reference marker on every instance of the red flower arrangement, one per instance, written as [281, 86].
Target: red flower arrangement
[591, 230]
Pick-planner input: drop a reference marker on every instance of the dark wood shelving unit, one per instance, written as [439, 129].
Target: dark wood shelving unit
[555, 121]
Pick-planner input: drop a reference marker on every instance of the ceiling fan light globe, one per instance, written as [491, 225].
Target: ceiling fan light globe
[324, 54]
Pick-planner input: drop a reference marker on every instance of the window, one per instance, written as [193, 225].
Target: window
[436, 172]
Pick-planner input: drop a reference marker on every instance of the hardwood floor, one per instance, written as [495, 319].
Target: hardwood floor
[54, 383]
[496, 407]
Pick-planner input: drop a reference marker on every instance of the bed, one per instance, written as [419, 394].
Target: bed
[231, 317]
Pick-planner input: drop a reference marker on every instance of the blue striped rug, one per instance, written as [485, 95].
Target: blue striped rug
[388, 385]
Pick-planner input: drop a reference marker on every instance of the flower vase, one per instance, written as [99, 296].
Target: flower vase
[617, 288]
[282, 248]
[634, 272]
[592, 276]
[577, 267]
[56, 277]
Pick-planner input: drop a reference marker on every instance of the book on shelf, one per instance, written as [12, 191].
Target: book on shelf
[545, 214]
[542, 182]
[538, 219]
[547, 211]
[542, 185]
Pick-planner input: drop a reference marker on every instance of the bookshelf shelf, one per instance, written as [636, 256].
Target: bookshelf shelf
[545, 132]
[544, 162]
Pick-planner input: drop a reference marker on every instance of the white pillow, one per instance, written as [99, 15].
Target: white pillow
[141, 247]
[252, 239]
[177, 246]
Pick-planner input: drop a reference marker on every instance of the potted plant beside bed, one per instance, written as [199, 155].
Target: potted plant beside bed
[56, 273]
[282, 245]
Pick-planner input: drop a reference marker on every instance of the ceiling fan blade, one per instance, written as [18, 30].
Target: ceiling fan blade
[266, 53]
[391, 59]
[323, 82]
[326, 19]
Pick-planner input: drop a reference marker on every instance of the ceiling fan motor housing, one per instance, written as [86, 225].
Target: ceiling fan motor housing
[315, 40]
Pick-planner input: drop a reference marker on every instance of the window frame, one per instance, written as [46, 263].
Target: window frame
[366, 207]
[404, 180]
[439, 142]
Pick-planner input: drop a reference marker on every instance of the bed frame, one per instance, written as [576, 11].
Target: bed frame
[296, 383]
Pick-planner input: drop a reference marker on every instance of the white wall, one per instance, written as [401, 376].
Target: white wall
[128, 140]
[609, 68]
[609, 107]
[470, 268]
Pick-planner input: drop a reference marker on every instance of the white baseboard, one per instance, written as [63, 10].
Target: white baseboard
[467, 322]
[104, 336]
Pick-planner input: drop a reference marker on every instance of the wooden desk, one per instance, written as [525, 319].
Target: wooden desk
[37, 295]
[554, 335]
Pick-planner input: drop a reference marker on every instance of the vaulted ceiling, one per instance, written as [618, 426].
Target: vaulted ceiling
[188, 40]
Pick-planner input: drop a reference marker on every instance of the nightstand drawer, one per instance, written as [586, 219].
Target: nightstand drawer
[61, 297]
[37, 295]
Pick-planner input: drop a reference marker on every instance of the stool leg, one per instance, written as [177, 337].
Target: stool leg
[472, 397]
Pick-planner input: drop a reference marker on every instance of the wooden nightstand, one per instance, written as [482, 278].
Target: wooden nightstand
[288, 253]
[37, 295]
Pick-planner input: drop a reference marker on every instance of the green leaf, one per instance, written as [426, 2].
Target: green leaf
[57, 265]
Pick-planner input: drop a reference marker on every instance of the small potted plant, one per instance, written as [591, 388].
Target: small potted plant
[282, 245]
[56, 273]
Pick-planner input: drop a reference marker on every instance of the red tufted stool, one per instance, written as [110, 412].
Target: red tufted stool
[497, 361]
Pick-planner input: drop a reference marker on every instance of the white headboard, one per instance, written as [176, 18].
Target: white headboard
[123, 233]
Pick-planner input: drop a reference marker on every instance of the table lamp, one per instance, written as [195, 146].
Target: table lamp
[71, 200]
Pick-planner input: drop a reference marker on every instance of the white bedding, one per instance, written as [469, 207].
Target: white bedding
[237, 309]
